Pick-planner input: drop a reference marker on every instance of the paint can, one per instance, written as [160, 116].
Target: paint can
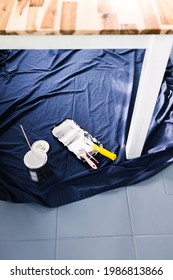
[36, 162]
[41, 145]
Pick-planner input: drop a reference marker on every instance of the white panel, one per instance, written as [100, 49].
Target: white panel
[73, 41]
[153, 69]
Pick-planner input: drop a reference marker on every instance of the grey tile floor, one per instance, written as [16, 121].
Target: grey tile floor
[133, 222]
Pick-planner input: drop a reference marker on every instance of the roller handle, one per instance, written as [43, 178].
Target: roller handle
[104, 152]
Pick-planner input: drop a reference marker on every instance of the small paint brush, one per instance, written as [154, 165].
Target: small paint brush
[26, 137]
[91, 156]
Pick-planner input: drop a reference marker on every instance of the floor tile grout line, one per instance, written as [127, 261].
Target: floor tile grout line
[131, 223]
[56, 234]
[89, 237]
[153, 234]
[94, 237]
[163, 181]
[115, 236]
[24, 240]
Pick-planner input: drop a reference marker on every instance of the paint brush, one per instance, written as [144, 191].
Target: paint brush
[26, 137]
[83, 155]
[91, 156]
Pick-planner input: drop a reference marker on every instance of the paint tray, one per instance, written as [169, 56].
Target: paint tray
[75, 138]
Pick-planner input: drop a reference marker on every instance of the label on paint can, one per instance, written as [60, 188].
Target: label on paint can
[34, 176]
[36, 162]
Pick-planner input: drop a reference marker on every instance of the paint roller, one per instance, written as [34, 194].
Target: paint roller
[66, 133]
[69, 132]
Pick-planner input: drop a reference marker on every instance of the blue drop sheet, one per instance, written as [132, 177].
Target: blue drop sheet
[95, 88]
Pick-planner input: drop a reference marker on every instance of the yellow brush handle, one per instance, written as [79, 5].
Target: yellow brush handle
[104, 152]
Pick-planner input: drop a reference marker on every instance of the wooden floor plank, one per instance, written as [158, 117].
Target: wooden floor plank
[50, 15]
[6, 7]
[150, 17]
[165, 11]
[68, 18]
[36, 3]
[128, 29]
[21, 4]
[88, 20]
[31, 25]
[110, 24]
[104, 6]
[18, 18]
[86, 16]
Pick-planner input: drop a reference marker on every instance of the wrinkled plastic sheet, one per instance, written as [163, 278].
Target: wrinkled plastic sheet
[95, 88]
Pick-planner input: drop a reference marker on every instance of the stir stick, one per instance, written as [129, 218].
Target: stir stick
[26, 137]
